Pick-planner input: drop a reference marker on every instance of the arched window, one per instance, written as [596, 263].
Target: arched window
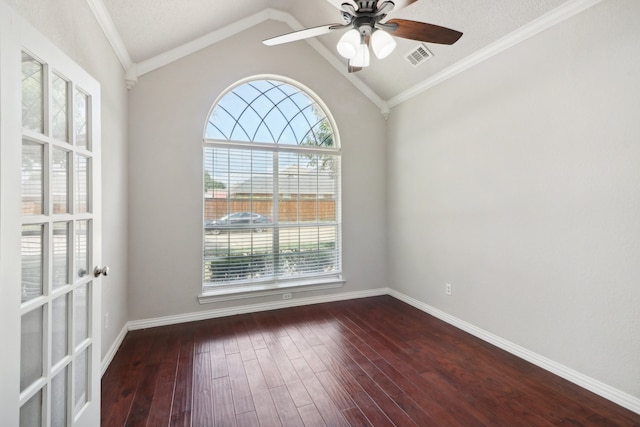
[271, 188]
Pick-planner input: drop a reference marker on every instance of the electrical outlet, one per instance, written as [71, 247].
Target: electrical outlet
[106, 320]
[447, 289]
[286, 296]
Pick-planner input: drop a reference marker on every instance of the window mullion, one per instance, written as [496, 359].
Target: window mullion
[276, 216]
[251, 205]
[318, 189]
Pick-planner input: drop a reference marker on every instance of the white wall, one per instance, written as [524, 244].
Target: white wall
[168, 110]
[72, 27]
[518, 182]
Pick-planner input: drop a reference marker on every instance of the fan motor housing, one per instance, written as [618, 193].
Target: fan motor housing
[364, 24]
[367, 5]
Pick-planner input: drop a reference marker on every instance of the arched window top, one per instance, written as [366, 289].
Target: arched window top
[270, 111]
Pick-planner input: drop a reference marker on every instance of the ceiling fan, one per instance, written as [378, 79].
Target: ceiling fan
[366, 29]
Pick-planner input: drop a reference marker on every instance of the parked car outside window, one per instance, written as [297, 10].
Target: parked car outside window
[243, 220]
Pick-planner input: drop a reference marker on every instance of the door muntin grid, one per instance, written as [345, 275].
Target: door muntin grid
[57, 241]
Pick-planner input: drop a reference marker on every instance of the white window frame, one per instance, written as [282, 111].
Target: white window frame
[277, 286]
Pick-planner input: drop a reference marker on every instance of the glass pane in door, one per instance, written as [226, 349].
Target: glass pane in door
[59, 107]
[31, 412]
[80, 118]
[82, 184]
[61, 254]
[80, 372]
[81, 313]
[31, 347]
[82, 248]
[32, 178]
[60, 181]
[32, 94]
[59, 399]
[32, 261]
[59, 329]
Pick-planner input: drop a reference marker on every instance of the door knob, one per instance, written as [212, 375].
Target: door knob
[98, 271]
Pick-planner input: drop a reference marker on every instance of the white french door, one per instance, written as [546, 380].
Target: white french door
[50, 233]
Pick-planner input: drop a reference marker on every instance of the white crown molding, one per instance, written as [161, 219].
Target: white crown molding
[193, 46]
[556, 16]
[179, 52]
[621, 398]
[133, 71]
[131, 76]
[106, 23]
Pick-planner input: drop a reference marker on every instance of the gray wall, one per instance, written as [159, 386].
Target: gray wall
[168, 110]
[518, 182]
[72, 27]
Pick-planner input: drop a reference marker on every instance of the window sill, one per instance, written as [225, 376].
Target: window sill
[230, 293]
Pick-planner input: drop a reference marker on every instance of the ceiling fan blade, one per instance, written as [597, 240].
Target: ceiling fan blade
[302, 34]
[424, 32]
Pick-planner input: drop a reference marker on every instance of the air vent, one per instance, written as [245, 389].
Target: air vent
[418, 55]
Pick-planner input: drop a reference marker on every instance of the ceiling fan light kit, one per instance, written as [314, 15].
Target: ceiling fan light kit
[349, 43]
[364, 20]
[361, 59]
[382, 44]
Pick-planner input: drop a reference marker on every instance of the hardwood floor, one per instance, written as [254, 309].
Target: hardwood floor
[373, 361]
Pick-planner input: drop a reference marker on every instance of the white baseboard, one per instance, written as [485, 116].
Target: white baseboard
[106, 360]
[621, 398]
[252, 308]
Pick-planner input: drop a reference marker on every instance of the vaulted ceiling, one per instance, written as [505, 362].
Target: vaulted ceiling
[144, 31]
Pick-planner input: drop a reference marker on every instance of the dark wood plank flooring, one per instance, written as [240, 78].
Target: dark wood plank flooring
[366, 362]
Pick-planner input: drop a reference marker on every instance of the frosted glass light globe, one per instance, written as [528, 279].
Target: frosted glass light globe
[348, 44]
